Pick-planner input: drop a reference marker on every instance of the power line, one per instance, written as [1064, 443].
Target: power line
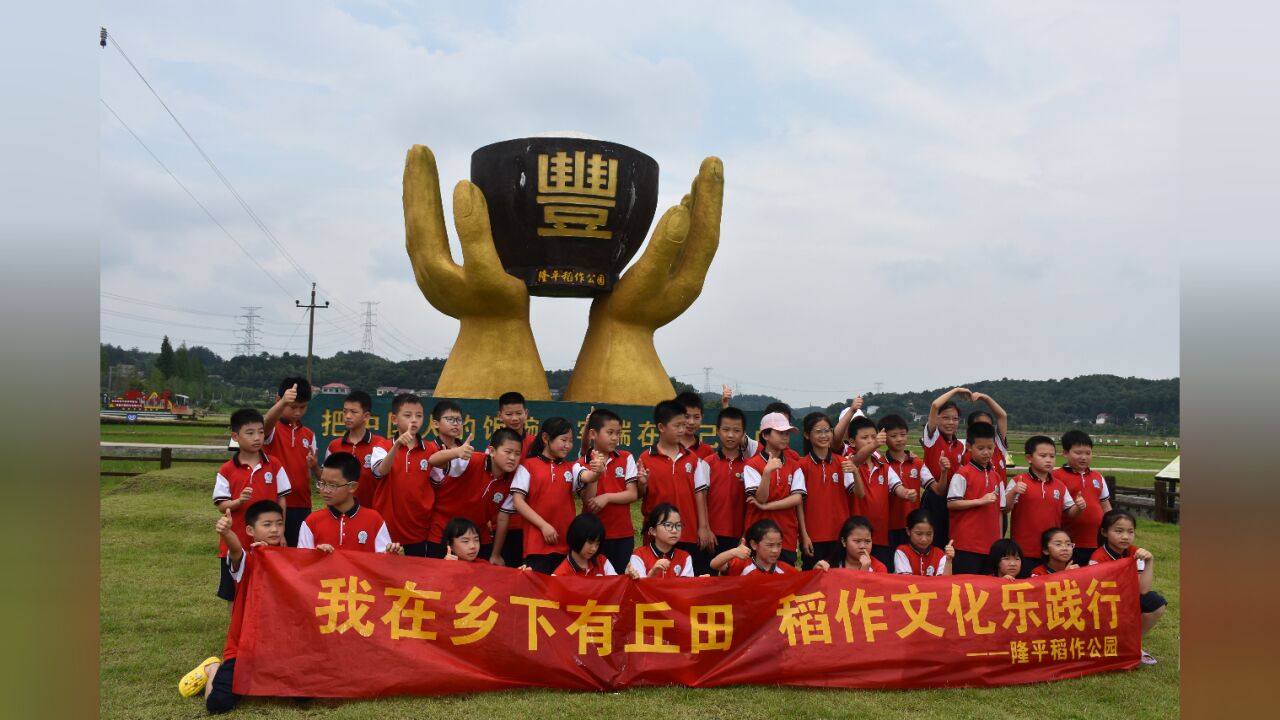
[162, 306]
[196, 200]
[209, 161]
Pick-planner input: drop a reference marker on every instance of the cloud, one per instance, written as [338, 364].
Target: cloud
[901, 184]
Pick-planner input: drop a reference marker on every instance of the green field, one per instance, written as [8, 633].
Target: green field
[159, 617]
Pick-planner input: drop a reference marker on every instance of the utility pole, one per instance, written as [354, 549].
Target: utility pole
[367, 344]
[249, 334]
[878, 386]
[311, 329]
[706, 379]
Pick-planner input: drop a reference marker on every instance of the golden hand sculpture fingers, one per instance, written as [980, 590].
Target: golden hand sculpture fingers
[618, 362]
[494, 351]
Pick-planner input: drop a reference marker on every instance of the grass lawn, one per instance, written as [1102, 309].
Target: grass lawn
[159, 617]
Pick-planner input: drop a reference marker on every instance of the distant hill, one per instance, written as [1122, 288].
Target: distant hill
[1049, 404]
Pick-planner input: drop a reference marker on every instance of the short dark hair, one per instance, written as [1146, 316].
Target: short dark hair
[861, 422]
[1036, 441]
[1110, 518]
[443, 407]
[980, 431]
[304, 388]
[731, 413]
[260, 508]
[245, 416]
[657, 516]
[973, 417]
[689, 400]
[892, 422]
[853, 522]
[664, 411]
[949, 405]
[346, 463]
[511, 397]
[778, 407]
[1001, 549]
[505, 435]
[917, 516]
[584, 528]
[1072, 438]
[360, 398]
[758, 530]
[456, 528]
[403, 399]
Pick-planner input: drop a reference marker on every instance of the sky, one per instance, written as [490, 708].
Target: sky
[916, 194]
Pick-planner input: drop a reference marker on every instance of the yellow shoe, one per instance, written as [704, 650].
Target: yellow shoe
[193, 682]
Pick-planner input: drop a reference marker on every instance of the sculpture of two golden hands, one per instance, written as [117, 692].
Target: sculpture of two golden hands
[495, 350]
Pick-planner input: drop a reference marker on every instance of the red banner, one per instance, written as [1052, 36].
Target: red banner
[364, 625]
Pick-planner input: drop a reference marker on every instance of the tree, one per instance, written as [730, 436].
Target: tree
[165, 363]
[683, 387]
[182, 363]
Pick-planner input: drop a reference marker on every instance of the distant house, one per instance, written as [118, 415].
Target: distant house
[334, 388]
[1101, 419]
[1142, 417]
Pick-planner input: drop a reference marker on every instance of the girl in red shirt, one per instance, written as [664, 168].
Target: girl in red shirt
[826, 503]
[760, 552]
[542, 492]
[1116, 543]
[919, 556]
[1056, 549]
[585, 534]
[855, 542]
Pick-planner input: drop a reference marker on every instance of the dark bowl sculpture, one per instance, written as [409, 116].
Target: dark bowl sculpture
[567, 214]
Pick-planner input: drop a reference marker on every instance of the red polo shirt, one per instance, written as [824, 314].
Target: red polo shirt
[618, 474]
[975, 529]
[738, 566]
[876, 567]
[1083, 528]
[643, 558]
[548, 487]
[362, 449]
[269, 480]
[597, 566]
[461, 492]
[1041, 507]
[701, 449]
[826, 503]
[935, 446]
[1104, 554]
[722, 477]
[671, 480]
[787, 480]
[406, 497]
[909, 561]
[875, 475]
[359, 528]
[291, 444]
[914, 475]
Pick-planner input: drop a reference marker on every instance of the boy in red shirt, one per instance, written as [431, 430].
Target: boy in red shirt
[975, 498]
[446, 422]
[360, 441]
[466, 487]
[295, 447]
[614, 472]
[250, 476]
[344, 524]
[665, 474]
[912, 473]
[513, 412]
[405, 495]
[872, 484]
[1037, 501]
[1088, 487]
[692, 437]
[263, 525]
[721, 473]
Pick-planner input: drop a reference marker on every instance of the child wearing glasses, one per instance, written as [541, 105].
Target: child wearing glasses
[1056, 549]
[344, 524]
[659, 557]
